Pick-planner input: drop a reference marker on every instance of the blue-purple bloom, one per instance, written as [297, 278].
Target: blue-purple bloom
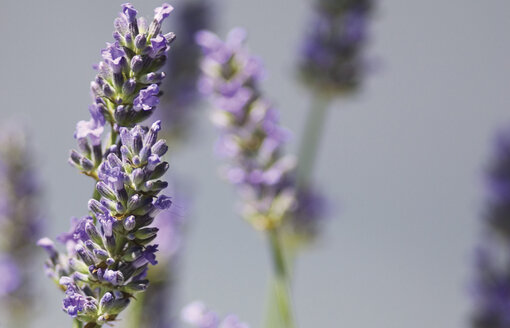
[492, 286]
[198, 315]
[109, 251]
[20, 218]
[331, 55]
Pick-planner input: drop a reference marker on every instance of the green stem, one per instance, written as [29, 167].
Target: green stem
[279, 313]
[134, 319]
[311, 138]
[113, 136]
[77, 323]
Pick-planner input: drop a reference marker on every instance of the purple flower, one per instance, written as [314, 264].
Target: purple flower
[114, 56]
[76, 232]
[159, 44]
[162, 12]
[11, 276]
[147, 98]
[180, 94]
[109, 251]
[48, 245]
[20, 216]
[119, 91]
[251, 136]
[331, 55]
[73, 302]
[130, 12]
[163, 202]
[92, 128]
[198, 315]
[149, 254]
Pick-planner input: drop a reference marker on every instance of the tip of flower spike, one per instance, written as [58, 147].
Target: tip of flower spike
[162, 12]
[236, 36]
[156, 126]
[44, 242]
[48, 245]
[207, 39]
[129, 11]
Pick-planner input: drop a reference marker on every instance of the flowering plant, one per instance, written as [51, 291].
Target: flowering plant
[109, 250]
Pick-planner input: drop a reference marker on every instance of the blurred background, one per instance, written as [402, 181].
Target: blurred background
[402, 162]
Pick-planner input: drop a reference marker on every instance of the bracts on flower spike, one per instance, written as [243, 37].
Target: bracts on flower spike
[111, 249]
[108, 252]
[126, 88]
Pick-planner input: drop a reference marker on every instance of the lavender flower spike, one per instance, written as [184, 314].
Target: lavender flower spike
[252, 139]
[331, 56]
[251, 136]
[198, 315]
[20, 222]
[109, 251]
[126, 88]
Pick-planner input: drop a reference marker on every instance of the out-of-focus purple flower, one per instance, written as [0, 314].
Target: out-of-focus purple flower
[331, 55]
[180, 96]
[491, 289]
[77, 231]
[20, 218]
[309, 214]
[11, 276]
[198, 315]
[251, 136]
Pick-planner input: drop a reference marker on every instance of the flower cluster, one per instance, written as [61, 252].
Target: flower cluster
[331, 58]
[492, 287]
[198, 315]
[308, 216]
[126, 88]
[19, 216]
[108, 252]
[180, 92]
[251, 136]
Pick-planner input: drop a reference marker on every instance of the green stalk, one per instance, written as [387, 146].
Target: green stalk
[77, 323]
[134, 319]
[311, 138]
[279, 312]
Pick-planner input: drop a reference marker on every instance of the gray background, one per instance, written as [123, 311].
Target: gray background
[403, 161]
